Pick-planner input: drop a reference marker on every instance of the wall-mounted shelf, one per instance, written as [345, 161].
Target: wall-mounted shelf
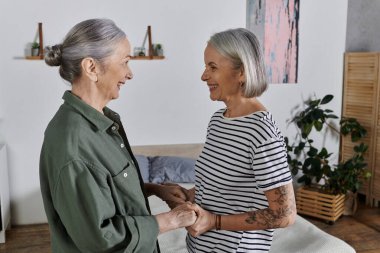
[148, 57]
[132, 58]
[40, 55]
[34, 57]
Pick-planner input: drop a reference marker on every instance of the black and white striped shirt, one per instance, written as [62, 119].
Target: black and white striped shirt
[242, 158]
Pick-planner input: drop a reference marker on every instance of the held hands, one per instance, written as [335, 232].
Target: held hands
[190, 194]
[184, 214]
[175, 195]
[181, 216]
[205, 222]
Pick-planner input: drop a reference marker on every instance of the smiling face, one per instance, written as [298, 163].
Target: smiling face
[223, 81]
[116, 71]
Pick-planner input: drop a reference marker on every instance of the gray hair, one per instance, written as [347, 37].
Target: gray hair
[243, 49]
[95, 38]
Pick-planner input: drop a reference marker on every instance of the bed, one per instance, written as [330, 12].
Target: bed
[172, 162]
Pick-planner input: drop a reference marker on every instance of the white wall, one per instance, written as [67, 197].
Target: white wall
[166, 102]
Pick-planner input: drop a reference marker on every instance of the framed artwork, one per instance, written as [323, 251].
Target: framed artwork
[275, 23]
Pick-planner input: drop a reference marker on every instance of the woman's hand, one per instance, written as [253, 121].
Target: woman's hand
[204, 223]
[181, 216]
[172, 194]
[190, 194]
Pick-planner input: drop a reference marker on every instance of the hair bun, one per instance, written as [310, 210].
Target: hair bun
[53, 55]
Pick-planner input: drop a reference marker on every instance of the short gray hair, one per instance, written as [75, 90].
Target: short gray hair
[95, 38]
[243, 49]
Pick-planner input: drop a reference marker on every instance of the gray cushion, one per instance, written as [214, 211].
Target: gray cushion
[171, 169]
[144, 166]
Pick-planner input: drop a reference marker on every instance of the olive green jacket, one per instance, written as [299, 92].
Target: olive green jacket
[91, 185]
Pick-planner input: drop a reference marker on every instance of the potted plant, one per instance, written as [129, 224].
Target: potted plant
[314, 162]
[35, 48]
[158, 50]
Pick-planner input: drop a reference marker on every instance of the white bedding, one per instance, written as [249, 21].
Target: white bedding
[302, 237]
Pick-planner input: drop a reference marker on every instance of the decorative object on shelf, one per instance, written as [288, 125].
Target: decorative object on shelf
[37, 48]
[158, 50]
[139, 52]
[348, 174]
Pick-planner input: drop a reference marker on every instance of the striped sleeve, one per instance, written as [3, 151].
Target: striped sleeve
[270, 164]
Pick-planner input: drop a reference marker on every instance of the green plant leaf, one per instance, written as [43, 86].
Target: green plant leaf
[306, 164]
[306, 129]
[314, 103]
[326, 170]
[301, 179]
[318, 125]
[326, 99]
[317, 114]
[312, 152]
[323, 152]
[331, 116]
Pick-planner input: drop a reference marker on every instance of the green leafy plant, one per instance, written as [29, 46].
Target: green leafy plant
[35, 45]
[314, 162]
[158, 50]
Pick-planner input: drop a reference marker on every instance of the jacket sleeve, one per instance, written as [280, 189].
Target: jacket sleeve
[86, 207]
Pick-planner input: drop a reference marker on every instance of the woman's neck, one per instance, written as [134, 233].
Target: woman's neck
[89, 94]
[242, 106]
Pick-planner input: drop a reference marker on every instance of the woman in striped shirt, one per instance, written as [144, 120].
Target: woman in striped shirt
[243, 185]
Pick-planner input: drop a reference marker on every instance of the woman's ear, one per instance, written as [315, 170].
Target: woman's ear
[90, 69]
[241, 75]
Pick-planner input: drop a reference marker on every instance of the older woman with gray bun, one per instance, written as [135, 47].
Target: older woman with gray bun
[243, 184]
[93, 193]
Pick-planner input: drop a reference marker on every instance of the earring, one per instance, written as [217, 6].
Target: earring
[241, 84]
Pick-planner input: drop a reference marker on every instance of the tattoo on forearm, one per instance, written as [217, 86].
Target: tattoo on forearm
[273, 218]
[282, 195]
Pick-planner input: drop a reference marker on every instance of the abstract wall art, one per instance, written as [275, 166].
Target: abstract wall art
[275, 23]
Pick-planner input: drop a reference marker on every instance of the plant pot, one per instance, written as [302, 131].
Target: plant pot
[350, 203]
[312, 202]
[35, 51]
[160, 52]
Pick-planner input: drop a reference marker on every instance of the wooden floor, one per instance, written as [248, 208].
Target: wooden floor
[361, 231]
[27, 239]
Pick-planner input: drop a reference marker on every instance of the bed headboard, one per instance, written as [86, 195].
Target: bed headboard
[185, 150]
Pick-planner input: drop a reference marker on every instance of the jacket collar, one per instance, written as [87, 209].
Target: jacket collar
[101, 121]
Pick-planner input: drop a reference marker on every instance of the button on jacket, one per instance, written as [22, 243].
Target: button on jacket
[91, 185]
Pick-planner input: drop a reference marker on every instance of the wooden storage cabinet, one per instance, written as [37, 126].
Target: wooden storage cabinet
[361, 100]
